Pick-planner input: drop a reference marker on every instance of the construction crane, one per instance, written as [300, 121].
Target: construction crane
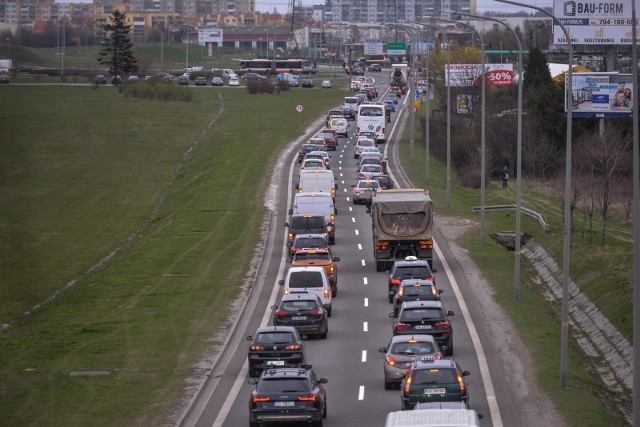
[293, 6]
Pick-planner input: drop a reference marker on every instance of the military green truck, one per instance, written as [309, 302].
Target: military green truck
[402, 223]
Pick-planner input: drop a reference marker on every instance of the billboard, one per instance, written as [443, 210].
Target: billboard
[209, 35]
[605, 22]
[398, 48]
[373, 48]
[601, 93]
[464, 75]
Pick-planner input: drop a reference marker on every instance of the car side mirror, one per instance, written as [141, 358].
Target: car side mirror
[382, 349]
[387, 272]
[297, 187]
[465, 373]
[336, 186]
[281, 282]
[323, 381]
[353, 185]
[336, 258]
[274, 307]
[286, 224]
[449, 313]
[290, 211]
[252, 381]
[444, 348]
[392, 315]
[440, 291]
[250, 338]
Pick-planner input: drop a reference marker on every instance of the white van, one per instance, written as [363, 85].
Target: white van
[308, 279]
[317, 181]
[340, 125]
[433, 418]
[309, 203]
[350, 101]
[223, 72]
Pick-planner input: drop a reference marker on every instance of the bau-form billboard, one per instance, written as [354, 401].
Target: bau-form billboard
[465, 75]
[605, 22]
[601, 93]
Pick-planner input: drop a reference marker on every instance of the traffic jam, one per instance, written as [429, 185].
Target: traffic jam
[343, 168]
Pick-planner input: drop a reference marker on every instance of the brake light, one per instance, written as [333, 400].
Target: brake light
[382, 246]
[390, 361]
[361, 175]
[442, 325]
[407, 384]
[333, 217]
[357, 130]
[316, 312]
[292, 347]
[331, 269]
[326, 293]
[400, 293]
[281, 314]
[286, 292]
[396, 282]
[256, 348]
[259, 399]
[357, 191]
[402, 327]
[384, 131]
[311, 398]
[460, 382]
[426, 244]
[290, 237]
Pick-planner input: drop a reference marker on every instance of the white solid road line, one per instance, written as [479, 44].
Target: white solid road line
[475, 339]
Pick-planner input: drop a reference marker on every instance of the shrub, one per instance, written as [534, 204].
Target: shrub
[157, 90]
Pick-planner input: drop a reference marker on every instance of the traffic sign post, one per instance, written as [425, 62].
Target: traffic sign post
[299, 109]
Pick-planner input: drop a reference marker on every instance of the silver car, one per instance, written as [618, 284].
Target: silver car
[364, 189]
[402, 351]
[367, 171]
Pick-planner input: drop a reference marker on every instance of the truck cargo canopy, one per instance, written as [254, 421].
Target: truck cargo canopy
[402, 214]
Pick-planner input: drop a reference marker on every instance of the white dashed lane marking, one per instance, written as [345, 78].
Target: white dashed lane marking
[363, 263]
[353, 219]
[366, 302]
[359, 246]
[357, 232]
[364, 356]
[365, 326]
[361, 393]
[365, 281]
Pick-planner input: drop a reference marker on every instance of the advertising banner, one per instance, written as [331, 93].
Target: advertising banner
[601, 93]
[605, 22]
[373, 48]
[463, 104]
[464, 75]
[210, 35]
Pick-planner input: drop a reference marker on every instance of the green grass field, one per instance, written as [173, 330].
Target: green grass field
[82, 169]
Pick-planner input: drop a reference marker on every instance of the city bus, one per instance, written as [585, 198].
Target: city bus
[274, 66]
[372, 118]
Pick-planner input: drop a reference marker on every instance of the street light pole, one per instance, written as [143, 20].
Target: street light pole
[518, 154]
[564, 326]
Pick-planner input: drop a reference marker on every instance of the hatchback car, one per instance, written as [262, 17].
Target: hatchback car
[391, 105]
[330, 138]
[402, 351]
[349, 113]
[234, 81]
[415, 290]
[313, 164]
[273, 347]
[362, 142]
[307, 83]
[326, 84]
[323, 155]
[316, 145]
[363, 190]
[366, 160]
[253, 76]
[368, 171]
[393, 97]
[409, 268]
[288, 396]
[368, 156]
[385, 181]
[375, 68]
[303, 311]
[309, 241]
[425, 317]
[367, 134]
[434, 381]
[215, 81]
[183, 80]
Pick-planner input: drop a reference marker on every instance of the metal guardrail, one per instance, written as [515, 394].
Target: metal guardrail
[528, 212]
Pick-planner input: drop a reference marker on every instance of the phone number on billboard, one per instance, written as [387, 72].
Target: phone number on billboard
[611, 21]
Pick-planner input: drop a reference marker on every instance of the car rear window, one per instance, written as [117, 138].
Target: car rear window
[416, 314]
[274, 337]
[434, 376]
[305, 279]
[308, 256]
[368, 184]
[310, 242]
[366, 143]
[283, 385]
[412, 291]
[308, 223]
[298, 305]
[417, 348]
[416, 272]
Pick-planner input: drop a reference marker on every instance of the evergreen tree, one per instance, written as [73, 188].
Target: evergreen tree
[116, 47]
[537, 75]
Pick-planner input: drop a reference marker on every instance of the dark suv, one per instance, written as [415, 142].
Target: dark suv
[425, 317]
[288, 396]
[305, 224]
[409, 268]
[303, 311]
[415, 290]
[434, 381]
[375, 68]
[275, 347]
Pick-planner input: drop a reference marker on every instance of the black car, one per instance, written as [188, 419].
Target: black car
[307, 83]
[330, 138]
[183, 80]
[349, 113]
[307, 224]
[385, 181]
[375, 68]
[357, 71]
[288, 396]
[303, 311]
[307, 148]
[415, 290]
[410, 268]
[425, 317]
[4, 79]
[253, 76]
[434, 381]
[101, 79]
[275, 347]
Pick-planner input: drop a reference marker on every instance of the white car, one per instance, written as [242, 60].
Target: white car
[326, 84]
[234, 81]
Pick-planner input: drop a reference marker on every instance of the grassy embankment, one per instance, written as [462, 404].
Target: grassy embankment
[602, 273]
[83, 168]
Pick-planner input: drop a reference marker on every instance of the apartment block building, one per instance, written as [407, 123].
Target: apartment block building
[389, 11]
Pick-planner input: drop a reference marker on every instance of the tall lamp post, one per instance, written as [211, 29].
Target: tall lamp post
[564, 324]
[518, 154]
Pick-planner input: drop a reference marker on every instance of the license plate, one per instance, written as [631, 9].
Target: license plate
[275, 363]
[287, 404]
[429, 391]
[422, 327]
[299, 318]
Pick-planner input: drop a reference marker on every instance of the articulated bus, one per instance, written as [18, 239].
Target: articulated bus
[377, 59]
[372, 118]
[271, 66]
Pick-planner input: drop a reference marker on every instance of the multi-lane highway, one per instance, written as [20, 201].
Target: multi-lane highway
[360, 323]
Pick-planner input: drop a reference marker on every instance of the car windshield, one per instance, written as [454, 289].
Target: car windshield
[434, 376]
[283, 385]
[311, 223]
[412, 348]
[298, 305]
[305, 279]
[310, 242]
[420, 290]
[410, 271]
[417, 314]
[275, 337]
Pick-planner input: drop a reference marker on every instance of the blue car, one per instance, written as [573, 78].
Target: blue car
[390, 105]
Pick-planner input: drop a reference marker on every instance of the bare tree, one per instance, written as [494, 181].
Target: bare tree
[539, 155]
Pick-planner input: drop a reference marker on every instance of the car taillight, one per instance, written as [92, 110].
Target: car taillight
[316, 312]
[407, 384]
[292, 347]
[290, 237]
[256, 348]
[426, 244]
[460, 382]
[434, 291]
[402, 327]
[259, 399]
[281, 314]
[400, 293]
[326, 293]
[442, 325]
[286, 292]
[357, 130]
[396, 282]
[382, 246]
[361, 175]
[333, 217]
[357, 191]
[311, 398]
[390, 361]
[384, 131]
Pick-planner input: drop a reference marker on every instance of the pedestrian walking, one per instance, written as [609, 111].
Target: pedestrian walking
[505, 176]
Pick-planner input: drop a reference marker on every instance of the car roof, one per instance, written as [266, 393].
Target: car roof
[435, 364]
[310, 236]
[267, 329]
[302, 296]
[307, 268]
[413, 282]
[312, 250]
[415, 262]
[301, 371]
[418, 304]
[367, 181]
